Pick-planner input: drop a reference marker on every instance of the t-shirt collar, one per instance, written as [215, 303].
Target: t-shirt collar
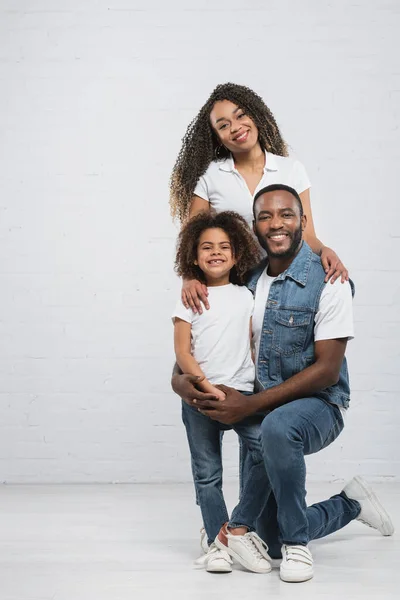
[228, 163]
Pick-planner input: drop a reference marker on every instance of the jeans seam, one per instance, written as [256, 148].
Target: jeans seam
[311, 536]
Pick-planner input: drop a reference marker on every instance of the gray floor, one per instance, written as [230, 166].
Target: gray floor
[138, 542]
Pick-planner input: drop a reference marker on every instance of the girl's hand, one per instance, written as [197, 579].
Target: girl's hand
[217, 392]
[333, 266]
[193, 294]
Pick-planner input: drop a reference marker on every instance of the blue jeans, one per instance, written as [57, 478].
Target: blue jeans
[204, 437]
[288, 433]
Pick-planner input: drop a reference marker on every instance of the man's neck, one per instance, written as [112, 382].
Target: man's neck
[277, 265]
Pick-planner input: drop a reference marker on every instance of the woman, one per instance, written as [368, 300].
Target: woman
[231, 149]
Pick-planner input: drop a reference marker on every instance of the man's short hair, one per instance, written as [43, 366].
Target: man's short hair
[276, 187]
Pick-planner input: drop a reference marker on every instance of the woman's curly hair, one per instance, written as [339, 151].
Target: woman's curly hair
[245, 249]
[200, 142]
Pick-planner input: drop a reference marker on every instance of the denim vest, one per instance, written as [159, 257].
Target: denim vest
[287, 337]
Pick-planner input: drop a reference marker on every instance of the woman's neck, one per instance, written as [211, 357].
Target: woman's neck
[253, 160]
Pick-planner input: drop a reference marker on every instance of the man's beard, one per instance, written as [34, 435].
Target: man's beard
[295, 237]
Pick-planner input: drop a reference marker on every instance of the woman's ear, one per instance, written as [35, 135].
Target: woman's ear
[195, 262]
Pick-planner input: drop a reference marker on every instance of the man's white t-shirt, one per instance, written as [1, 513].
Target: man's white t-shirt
[225, 188]
[221, 336]
[334, 318]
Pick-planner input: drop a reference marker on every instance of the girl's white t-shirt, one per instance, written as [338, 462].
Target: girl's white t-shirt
[225, 188]
[221, 336]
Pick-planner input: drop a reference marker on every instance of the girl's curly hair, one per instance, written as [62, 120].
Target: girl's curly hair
[200, 142]
[245, 249]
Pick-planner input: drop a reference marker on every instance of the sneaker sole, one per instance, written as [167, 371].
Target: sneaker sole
[295, 576]
[386, 522]
[219, 570]
[240, 560]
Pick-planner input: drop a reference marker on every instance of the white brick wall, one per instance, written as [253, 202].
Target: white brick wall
[95, 96]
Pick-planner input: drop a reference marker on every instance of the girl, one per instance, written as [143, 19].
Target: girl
[231, 149]
[218, 251]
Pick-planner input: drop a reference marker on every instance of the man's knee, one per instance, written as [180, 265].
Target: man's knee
[277, 433]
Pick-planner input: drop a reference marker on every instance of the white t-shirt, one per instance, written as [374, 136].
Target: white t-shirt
[334, 318]
[221, 336]
[225, 188]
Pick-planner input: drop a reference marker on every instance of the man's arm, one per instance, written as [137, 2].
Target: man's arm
[323, 373]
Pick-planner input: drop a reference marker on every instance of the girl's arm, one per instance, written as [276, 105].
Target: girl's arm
[184, 358]
[332, 264]
[193, 291]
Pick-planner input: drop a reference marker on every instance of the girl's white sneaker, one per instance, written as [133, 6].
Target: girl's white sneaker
[217, 561]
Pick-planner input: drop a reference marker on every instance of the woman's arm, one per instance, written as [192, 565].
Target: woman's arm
[332, 264]
[184, 358]
[198, 205]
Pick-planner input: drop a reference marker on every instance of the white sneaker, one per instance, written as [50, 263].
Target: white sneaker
[218, 561]
[248, 549]
[297, 564]
[203, 541]
[372, 512]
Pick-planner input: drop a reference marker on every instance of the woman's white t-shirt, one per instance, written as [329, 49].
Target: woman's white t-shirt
[225, 188]
[221, 336]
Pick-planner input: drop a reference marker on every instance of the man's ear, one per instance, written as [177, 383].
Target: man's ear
[303, 222]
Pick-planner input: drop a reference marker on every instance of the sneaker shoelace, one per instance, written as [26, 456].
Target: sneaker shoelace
[256, 545]
[298, 554]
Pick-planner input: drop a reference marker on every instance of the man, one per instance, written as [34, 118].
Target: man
[301, 327]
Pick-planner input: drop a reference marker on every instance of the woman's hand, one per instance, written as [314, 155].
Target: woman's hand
[193, 294]
[333, 266]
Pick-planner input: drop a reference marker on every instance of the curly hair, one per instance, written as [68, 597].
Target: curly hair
[200, 142]
[245, 249]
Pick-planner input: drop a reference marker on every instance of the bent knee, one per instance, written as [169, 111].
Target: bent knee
[276, 432]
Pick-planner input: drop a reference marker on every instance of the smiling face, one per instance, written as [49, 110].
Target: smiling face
[235, 130]
[215, 256]
[278, 223]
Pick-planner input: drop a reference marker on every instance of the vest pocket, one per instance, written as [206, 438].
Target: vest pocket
[290, 330]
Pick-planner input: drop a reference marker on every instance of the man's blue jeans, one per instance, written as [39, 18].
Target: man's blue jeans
[204, 437]
[288, 433]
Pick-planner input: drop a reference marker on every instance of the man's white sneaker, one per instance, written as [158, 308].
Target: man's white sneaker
[372, 512]
[297, 564]
[248, 549]
[203, 540]
[215, 561]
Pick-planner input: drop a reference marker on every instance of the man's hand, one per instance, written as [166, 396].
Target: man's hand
[233, 409]
[184, 386]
